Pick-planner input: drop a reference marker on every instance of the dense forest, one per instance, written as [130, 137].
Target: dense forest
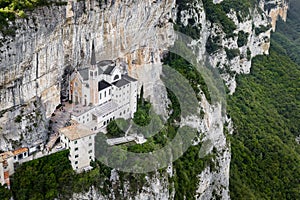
[266, 113]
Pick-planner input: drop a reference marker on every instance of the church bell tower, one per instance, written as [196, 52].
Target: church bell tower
[93, 78]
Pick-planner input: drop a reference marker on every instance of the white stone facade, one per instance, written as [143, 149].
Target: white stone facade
[80, 141]
[101, 93]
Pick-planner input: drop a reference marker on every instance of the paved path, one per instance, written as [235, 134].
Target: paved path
[59, 120]
[120, 140]
[52, 140]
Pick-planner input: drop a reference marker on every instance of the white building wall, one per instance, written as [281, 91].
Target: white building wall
[110, 78]
[100, 77]
[124, 111]
[64, 141]
[84, 118]
[121, 95]
[105, 120]
[82, 151]
[133, 97]
[105, 95]
[1, 174]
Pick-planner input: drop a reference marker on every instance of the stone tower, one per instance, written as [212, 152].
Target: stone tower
[93, 76]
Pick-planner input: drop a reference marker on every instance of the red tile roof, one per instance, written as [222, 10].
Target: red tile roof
[19, 151]
[6, 174]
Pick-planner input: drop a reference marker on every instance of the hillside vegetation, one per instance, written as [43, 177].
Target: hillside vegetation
[266, 113]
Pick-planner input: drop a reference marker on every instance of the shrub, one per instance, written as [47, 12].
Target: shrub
[18, 119]
[242, 38]
[232, 53]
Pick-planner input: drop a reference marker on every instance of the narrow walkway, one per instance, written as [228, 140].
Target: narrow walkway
[129, 128]
[120, 140]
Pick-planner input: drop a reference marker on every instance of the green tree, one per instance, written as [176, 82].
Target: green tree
[114, 130]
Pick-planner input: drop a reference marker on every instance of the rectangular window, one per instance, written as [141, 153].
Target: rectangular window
[90, 144]
[76, 162]
[104, 93]
[75, 142]
[76, 149]
[109, 91]
[76, 156]
[100, 96]
[90, 151]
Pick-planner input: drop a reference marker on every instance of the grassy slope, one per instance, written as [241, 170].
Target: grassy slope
[266, 113]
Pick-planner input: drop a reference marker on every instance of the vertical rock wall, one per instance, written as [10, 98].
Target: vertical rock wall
[54, 38]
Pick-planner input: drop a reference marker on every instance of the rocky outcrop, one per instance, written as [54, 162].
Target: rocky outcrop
[156, 187]
[255, 27]
[275, 9]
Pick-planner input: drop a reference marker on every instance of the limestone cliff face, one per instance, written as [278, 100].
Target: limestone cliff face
[275, 9]
[157, 187]
[53, 40]
[256, 27]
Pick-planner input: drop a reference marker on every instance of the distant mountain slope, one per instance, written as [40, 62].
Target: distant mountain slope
[266, 113]
[288, 33]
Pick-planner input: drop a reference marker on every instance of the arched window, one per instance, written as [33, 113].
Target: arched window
[116, 77]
